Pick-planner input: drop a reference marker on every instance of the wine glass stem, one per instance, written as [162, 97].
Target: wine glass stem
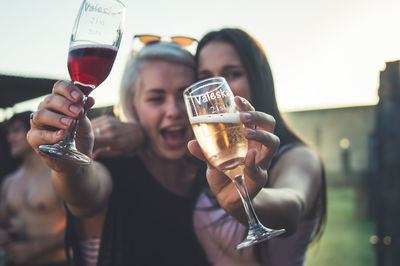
[69, 138]
[240, 185]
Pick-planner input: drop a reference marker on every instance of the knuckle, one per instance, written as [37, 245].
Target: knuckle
[59, 85]
[255, 115]
[45, 101]
[40, 106]
[65, 102]
[29, 137]
[272, 120]
[38, 114]
[43, 136]
[48, 100]
[56, 137]
[52, 135]
[275, 142]
[56, 85]
[47, 136]
[261, 134]
[273, 125]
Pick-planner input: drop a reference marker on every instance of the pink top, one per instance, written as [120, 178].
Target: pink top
[90, 251]
[219, 238]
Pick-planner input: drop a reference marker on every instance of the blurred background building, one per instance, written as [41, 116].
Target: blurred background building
[361, 147]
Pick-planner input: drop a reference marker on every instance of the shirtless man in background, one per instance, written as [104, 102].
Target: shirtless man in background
[32, 217]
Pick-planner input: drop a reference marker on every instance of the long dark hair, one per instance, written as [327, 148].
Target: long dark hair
[258, 70]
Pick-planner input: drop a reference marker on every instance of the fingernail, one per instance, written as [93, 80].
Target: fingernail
[249, 132]
[75, 95]
[66, 121]
[75, 109]
[246, 117]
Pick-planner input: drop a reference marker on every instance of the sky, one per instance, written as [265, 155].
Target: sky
[323, 53]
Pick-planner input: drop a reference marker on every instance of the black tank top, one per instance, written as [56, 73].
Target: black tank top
[145, 223]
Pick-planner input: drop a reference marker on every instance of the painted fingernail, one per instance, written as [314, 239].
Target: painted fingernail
[75, 109]
[249, 132]
[66, 121]
[75, 95]
[246, 117]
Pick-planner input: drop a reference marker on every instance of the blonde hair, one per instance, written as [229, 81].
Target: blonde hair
[163, 51]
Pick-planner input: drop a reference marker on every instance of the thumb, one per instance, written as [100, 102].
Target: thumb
[88, 104]
[196, 151]
[252, 171]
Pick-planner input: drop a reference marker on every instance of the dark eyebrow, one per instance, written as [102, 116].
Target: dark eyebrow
[229, 67]
[204, 72]
[224, 68]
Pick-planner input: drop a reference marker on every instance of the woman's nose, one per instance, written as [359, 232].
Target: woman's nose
[174, 108]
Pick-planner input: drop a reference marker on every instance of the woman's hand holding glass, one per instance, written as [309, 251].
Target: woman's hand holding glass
[223, 136]
[262, 145]
[55, 115]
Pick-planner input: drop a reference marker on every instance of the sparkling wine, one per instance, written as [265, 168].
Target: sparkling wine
[221, 137]
[89, 65]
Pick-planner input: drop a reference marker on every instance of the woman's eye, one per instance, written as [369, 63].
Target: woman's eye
[233, 74]
[155, 99]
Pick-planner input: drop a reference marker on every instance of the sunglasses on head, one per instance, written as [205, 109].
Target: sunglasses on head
[146, 39]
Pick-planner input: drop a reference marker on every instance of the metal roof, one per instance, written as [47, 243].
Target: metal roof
[16, 89]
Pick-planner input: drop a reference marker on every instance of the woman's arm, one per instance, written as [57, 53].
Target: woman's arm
[294, 186]
[85, 188]
[294, 181]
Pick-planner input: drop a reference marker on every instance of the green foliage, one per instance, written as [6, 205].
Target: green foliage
[346, 238]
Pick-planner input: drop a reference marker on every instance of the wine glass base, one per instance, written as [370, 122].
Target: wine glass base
[257, 234]
[65, 152]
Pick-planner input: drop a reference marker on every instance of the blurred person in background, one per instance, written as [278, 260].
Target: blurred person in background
[8, 163]
[32, 216]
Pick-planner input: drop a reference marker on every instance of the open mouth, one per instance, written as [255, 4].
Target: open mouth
[174, 136]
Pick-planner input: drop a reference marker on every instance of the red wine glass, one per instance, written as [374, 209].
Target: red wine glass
[95, 40]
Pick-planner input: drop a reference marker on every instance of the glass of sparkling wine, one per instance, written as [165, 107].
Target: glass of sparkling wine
[217, 127]
[94, 43]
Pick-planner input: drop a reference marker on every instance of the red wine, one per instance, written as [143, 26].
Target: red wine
[89, 65]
